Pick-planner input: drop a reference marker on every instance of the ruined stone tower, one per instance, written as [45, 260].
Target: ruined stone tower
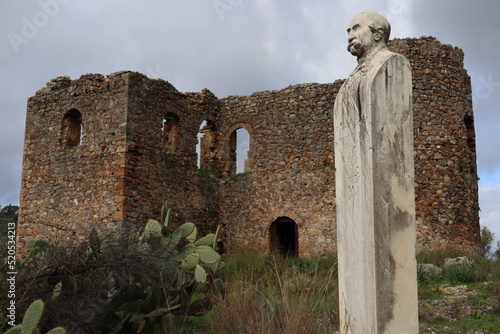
[106, 152]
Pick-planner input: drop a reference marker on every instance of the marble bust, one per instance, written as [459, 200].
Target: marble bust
[374, 183]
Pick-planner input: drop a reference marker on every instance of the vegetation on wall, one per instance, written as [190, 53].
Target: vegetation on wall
[208, 175]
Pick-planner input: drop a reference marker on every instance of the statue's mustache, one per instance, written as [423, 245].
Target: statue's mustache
[354, 44]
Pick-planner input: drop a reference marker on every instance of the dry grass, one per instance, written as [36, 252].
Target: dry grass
[278, 296]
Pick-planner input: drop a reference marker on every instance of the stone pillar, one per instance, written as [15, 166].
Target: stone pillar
[375, 198]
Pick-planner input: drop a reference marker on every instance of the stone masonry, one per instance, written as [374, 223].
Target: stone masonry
[106, 152]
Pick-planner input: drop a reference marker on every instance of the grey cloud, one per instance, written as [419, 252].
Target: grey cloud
[243, 47]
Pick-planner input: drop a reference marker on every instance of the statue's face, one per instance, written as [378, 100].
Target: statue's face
[360, 38]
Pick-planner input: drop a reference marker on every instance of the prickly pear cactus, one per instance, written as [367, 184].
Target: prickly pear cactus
[185, 264]
[14, 330]
[194, 257]
[152, 229]
[32, 317]
[207, 240]
[190, 261]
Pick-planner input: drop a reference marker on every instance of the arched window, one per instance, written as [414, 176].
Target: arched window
[170, 132]
[71, 129]
[206, 145]
[237, 151]
[284, 237]
[242, 148]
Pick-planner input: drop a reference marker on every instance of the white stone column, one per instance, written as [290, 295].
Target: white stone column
[375, 198]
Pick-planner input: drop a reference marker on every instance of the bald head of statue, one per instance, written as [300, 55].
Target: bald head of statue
[367, 33]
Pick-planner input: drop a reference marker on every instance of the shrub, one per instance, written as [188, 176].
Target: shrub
[487, 237]
[427, 273]
[126, 282]
[460, 273]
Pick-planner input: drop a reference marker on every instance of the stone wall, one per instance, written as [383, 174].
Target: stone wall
[291, 149]
[67, 189]
[138, 149]
[120, 169]
[293, 167]
[445, 150]
[162, 136]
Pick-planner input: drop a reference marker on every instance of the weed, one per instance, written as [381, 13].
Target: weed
[427, 274]
[438, 320]
[238, 175]
[208, 175]
[459, 273]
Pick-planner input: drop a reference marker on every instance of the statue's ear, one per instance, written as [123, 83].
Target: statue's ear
[378, 34]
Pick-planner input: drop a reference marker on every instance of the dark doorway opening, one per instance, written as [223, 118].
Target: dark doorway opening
[284, 237]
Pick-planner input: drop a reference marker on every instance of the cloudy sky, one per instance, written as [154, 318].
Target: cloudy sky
[232, 47]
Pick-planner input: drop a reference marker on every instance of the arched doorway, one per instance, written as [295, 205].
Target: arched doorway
[284, 237]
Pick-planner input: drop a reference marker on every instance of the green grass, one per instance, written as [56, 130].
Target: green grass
[426, 291]
[469, 325]
[483, 277]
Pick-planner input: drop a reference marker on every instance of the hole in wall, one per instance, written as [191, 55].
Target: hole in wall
[200, 136]
[71, 129]
[242, 148]
[205, 148]
[170, 132]
[284, 238]
[238, 148]
[471, 133]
